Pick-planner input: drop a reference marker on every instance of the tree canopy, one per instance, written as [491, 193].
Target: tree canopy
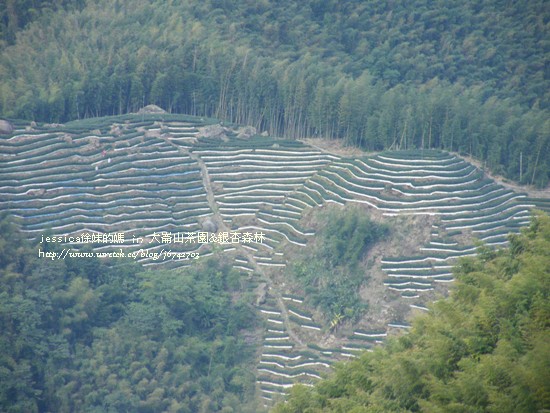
[87, 335]
[330, 273]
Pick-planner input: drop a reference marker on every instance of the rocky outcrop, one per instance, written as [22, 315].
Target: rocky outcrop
[212, 131]
[209, 225]
[246, 132]
[6, 128]
[261, 294]
[151, 109]
[116, 129]
[219, 131]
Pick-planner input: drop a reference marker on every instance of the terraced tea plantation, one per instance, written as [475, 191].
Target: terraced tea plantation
[157, 178]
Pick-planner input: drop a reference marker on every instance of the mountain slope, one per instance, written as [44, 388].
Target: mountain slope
[484, 349]
[167, 190]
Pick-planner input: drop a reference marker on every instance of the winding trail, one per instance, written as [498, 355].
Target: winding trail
[223, 227]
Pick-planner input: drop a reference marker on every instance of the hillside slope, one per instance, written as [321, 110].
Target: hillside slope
[168, 190]
[484, 349]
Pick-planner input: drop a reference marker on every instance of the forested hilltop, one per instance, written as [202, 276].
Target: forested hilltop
[484, 349]
[470, 77]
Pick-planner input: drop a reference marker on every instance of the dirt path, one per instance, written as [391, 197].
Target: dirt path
[224, 228]
[208, 187]
[528, 189]
[335, 147]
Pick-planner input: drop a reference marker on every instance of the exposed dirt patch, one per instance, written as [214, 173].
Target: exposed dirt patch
[335, 147]
[528, 189]
[407, 234]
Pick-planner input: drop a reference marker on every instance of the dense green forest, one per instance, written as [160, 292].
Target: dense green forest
[484, 349]
[330, 273]
[18, 14]
[470, 77]
[84, 335]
